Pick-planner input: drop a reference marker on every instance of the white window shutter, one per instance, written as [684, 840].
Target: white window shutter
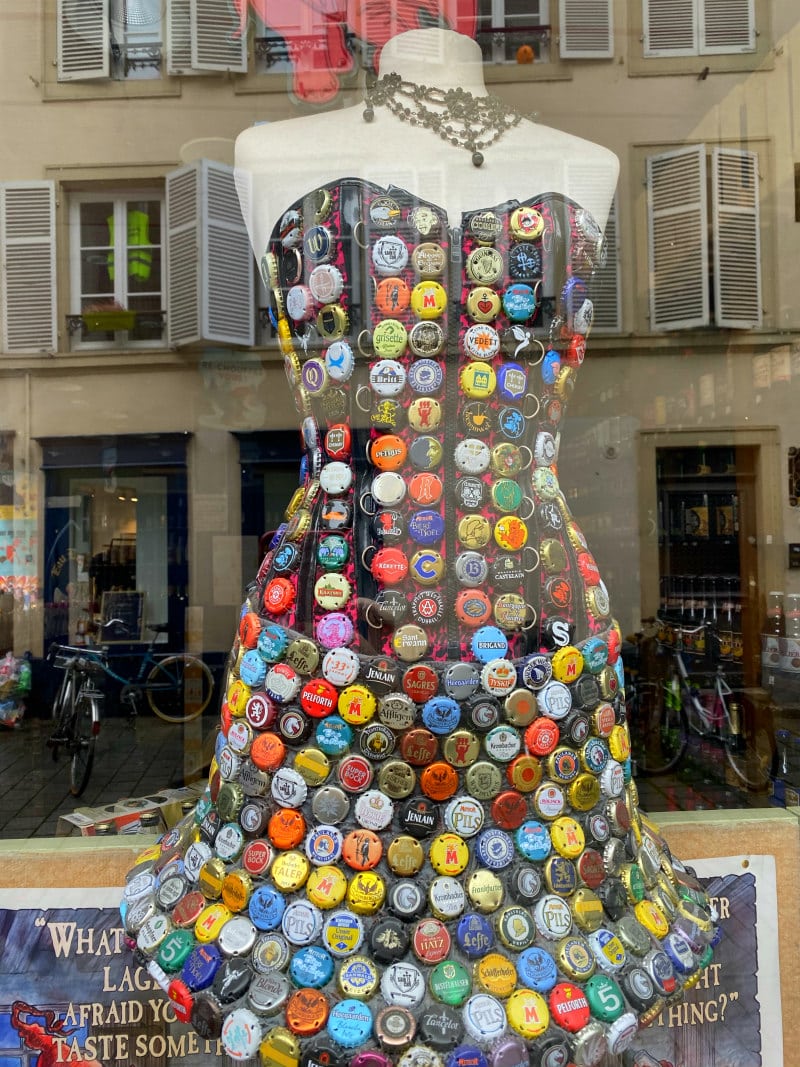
[28, 257]
[727, 26]
[670, 27]
[219, 42]
[183, 255]
[179, 37]
[737, 239]
[84, 40]
[209, 262]
[677, 239]
[605, 284]
[586, 29]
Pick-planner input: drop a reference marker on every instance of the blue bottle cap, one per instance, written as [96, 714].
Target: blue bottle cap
[425, 376]
[426, 527]
[441, 715]
[679, 953]
[220, 743]
[475, 935]
[286, 559]
[252, 668]
[201, 966]
[595, 654]
[519, 302]
[511, 422]
[350, 1023]
[536, 969]
[272, 642]
[551, 365]
[311, 967]
[334, 735]
[488, 643]
[533, 840]
[512, 381]
[466, 1056]
[495, 849]
[266, 907]
[284, 526]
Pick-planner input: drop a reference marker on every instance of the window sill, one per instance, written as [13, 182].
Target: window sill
[109, 89]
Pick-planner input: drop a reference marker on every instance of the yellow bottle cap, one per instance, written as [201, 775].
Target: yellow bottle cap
[210, 921]
[652, 918]
[357, 704]
[449, 854]
[495, 974]
[483, 304]
[289, 871]
[326, 886]
[428, 300]
[619, 743]
[312, 765]
[389, 338]
[567, 664]
[474, 531]
[236, 890]
[527, 1013]
[511, 533]
[584, 792]
[280, 1048]
[567, 837]
[478, 380]
[366, 893]
[238, 695]
[210, 879]
[587, 910]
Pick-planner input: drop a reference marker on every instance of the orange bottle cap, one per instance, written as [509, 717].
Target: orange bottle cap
[268, 752]
[286, 828]
[362, 850]
[307, 1012]
[439, 780]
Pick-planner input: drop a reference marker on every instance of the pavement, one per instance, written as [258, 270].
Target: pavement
[133, 758]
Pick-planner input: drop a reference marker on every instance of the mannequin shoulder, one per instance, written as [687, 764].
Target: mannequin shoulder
[262, 145]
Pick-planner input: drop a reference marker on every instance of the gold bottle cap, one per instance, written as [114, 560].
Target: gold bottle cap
[485, 891]
[525, 773]
[552, 555]
[358, 977]
[295, 502]
[236, 890]
[587, 910]
[584, 792]
[405, 856]
[289, 871]
[396, 779]
[312, 765]
[210, 879]
[366, 893]
[575, 958]
[461, 748]
[495, 974]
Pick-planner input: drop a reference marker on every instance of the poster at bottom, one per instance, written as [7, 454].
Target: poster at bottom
[70, 992]
[732, 1018]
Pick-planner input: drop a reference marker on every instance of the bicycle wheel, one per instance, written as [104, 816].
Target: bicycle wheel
[87, 723]
[750, 752]
[659, 731]
[179, 688]
[61, 714]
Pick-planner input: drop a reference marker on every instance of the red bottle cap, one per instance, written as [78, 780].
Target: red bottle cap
[542, 736]
[418, 747]
[337, 441]
[389, 565]
[249, 629]
[257, 857]
[509, 809]
[591, 869]
[178, 993]
[354, 774]
[569, 1007]
[420, 683]
[318, 698]
[279, 596]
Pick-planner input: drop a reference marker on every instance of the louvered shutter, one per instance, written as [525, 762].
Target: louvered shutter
[184, 258]
[670, 27]
[727, 26]
[28, 257]
[179, 37]
[677, 239]
[84, 39]
[605, 285]
[217, 43]
[737, 240]
[209, 262]
[586, 29]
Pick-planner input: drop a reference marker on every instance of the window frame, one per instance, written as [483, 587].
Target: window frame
[641, 65]
[119, 196]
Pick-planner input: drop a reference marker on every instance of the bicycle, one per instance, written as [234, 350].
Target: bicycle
[76, 712]
[178, 685]
[664, 714]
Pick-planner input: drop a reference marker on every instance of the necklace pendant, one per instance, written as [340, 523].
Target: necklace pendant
[477, 159]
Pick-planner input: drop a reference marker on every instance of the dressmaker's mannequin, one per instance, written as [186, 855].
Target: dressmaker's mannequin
[279, 162]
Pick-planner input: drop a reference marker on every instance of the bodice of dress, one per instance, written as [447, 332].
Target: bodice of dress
[432, 366]
[420, 845]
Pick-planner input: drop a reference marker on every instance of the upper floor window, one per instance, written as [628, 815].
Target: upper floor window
[146, 39]
[514, 31]
[698, 27]
[116, 268]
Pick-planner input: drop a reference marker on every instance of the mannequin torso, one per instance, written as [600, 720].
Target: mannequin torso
[278, 162]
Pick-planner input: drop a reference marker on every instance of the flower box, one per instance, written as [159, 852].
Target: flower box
[95, 321]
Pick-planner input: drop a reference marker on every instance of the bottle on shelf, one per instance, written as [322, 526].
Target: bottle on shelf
[737, 649]
[700, 614]
[790, 646]
[726, 617]
[772, 633]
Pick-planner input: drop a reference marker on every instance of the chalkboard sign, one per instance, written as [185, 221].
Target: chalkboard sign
[122, 617]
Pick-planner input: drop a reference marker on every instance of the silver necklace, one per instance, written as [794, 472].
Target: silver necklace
[464, 120]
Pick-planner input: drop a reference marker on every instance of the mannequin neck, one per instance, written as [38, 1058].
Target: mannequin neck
[439, 58]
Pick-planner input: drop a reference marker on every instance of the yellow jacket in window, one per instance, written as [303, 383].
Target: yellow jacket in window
[140, 259]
